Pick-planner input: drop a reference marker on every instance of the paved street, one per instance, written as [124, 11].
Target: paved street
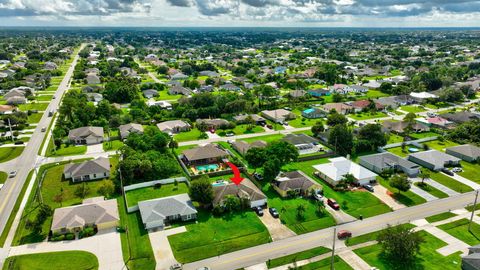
[28, 160]
[261, 253]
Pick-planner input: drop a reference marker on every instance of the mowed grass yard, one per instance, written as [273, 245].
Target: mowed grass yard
[9, 153]
[64, 260]
[449, 182]
[428, 258]
[412, 109]
[212, 236]
[3, 177]
[367, 115]
[148, 193]
[65, 150]
[470, 171]
[407, 198]
[34, 118]
[240, 129]
[357, 202]
[338, 264]
[192, 135]
[459, 230]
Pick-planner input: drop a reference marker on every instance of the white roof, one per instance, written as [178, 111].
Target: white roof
[338, 167]
[422, 95]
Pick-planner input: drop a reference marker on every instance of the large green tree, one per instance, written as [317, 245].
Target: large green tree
[341, 138]
[201, 190]
[400, 245]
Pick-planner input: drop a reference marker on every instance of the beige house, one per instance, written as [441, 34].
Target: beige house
[94, 212]
[87, 171]
[295, 182]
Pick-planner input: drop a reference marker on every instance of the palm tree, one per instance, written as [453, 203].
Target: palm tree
[424, 174]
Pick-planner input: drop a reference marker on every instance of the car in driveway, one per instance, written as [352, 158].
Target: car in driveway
[457, 170]
[258, 176]
[273, 211]
[369, 188]
[176, 267]
[333, 204]
[258, 210]
[12, 174]
[447, 171]
[344, 234]
[18, 142]
[317, 195]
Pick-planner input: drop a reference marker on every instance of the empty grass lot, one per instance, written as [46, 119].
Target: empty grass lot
[412, 109]
[459, 230]
[148, 193]
[53, 260]
[358, 202]
[64, 150]
[212, 236]
[112, 145]
[192, 135]
[266, 138]
[470, 171]
[440, 217]
[367, 115]
[449, 182]
[370, 236]
[240, 129]
[338, 264]
[9, 153]
[307, 254]
[428, 258]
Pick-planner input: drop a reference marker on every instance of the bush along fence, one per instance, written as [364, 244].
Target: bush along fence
[150, 184]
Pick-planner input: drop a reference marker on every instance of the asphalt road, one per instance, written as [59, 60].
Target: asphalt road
[29, 160]
[262, 253]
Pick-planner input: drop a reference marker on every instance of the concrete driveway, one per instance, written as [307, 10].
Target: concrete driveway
[95, 148]
[382, 193]
[105, 245]
[161, 247]
[275, 227]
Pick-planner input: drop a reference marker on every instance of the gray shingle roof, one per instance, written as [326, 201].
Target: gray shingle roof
[387, 159]
[435, 157]
[466, 150]
[297, 139]
[84, 132]
[204, 152]
[160, 209]
[99, 165]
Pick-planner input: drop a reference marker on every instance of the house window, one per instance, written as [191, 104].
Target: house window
[94, 175]
[104, 174]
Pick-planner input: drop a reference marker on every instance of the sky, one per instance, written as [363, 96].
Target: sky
[238, 13]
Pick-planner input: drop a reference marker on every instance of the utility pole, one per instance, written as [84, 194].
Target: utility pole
[10, 126]
[332, 261]
[473, 210]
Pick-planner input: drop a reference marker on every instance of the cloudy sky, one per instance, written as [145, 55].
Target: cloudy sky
[308, 13]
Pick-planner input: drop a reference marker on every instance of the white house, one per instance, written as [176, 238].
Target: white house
[335, 171]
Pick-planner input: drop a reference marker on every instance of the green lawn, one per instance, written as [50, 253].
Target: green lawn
[421, 135]
[367, 115]
[53, 260]
[9, 153]
[440, 146]
[239, 130]
[65, 151]
[375, 94]
[33, 106]
[470, 171]
[440, 217]
[459, 229]
[136, 247]
[112, 145]
[407, 198]
[148, 193]
[433, 191]
[338, 264]
[266, 138]
[164, 95]
[355, 240]
[358, 202]
[428, 258]
[212, 236]
[398, 151]
[44, 97]
[394, 138]
[412, 109]
[34, 118]
[3, 177]
[192, 135]
[307, 254]
[449, 182]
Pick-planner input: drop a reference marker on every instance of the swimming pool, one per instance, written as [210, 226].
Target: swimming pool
[207, 167]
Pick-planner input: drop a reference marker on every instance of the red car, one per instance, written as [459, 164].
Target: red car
[344, 234]
[333, 204]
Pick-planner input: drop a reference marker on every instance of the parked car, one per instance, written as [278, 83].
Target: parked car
[54, 97]
[369, 188]
[18, 142]
[1, 186]
[333, 204]
[344, 234]
[176, 267]
[447, 171]
[50, 113]
[269, 126]
[230, 134]
[258, 210]
[317, 195]
[457, 170]
[12, 174]
[258, 176]
[273, 211]
[44, 129]
[212, 131]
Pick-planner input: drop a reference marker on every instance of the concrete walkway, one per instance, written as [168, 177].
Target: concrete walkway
[161, 247]
[436, 185]
[353, 260]
[464, 180]
[422, 193]
[382, 194]
[105, 245]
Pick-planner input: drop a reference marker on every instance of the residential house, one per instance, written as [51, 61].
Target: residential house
[180, 90]
[472, 260]
[208, 73]
[401, 126]
[212, 123]
[242, 147]
[88, 170]
[230, 87]
[361, 105]
[304, 143]
[16, 100]
[319, 92]
[297, 93]
[295, 182]
[200, 155]
[174, 126]
[158, 213]
[340, 89]
[242, 119]
[160, 103]
[50, 66]
[381, 162]
[359, 89]
[93, 212]
[246, 190]
[433, 159]
[461, 117]
[335, 171]
[150, 93]
[314, 113]
[178, 76]
[7, 109]
[422, 97]
[86, 135]
[126, 129]
[94, 97]
[341, 108]
[93, 79]
[278, 115]
[467, 152]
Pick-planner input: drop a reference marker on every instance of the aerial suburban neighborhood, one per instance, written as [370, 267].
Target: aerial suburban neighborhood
[239, 148]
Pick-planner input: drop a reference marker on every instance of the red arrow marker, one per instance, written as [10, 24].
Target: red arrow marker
[237, 179]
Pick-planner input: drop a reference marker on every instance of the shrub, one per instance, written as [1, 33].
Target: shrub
[70, 236]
